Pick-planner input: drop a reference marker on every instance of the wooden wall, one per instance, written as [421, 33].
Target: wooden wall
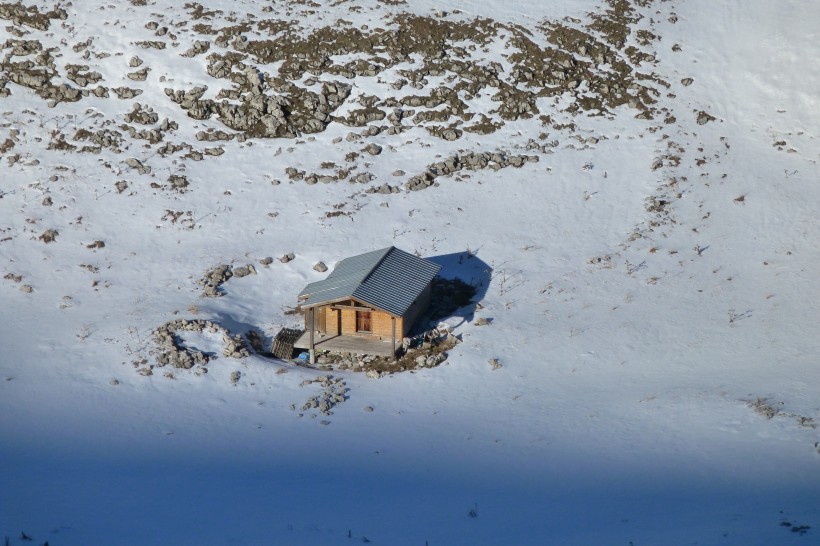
[381, 324]
[418, 308]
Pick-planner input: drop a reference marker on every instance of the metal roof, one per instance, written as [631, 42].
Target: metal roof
[389, 279]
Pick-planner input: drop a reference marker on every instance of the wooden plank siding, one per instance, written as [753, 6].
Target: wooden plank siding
[418, 307]
[381, 323]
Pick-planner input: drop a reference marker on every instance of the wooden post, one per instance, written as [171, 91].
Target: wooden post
[312, 350]
[393, 320]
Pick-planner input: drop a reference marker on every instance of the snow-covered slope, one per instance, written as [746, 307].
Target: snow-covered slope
[644, 247]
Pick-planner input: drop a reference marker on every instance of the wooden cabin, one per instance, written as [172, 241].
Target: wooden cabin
[367, 304]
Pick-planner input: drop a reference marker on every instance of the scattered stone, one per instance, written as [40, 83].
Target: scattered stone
[471, 161]
[47, 202]
[134, 62]
[482, 321]
[333, 393]
[287, 257]
[27, 288]
[368, 409]
[495, 364]
[320, 267]
[114, 382]
[235, 377]
[96, 244]
[266, 261]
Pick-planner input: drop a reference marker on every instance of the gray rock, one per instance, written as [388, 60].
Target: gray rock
[320, 267]
[704, 118]
[287, 257]
[49, 236]
[373, 149]
[243, 271]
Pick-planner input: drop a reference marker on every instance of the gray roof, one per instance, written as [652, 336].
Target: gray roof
[388, 279]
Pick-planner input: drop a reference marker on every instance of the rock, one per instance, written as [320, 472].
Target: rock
[96, 244]
[704, 118]
[242, 271]
[49, 236]
[235, 377]
[482, 321]
[126, 92]
[687, 81]
[47, 202]
[368, 409]
[135, 163]
[134, 62]
[320, 267]
[373, 374]
[656, 164]
[114, 382]
[26, 288]
[373, 149]
[214, 278]
[266, 261]
[287, 257]
[495, 364]
[139, 75]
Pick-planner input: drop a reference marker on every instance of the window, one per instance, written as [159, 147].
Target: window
[363, 321]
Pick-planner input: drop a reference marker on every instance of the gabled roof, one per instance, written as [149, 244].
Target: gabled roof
[388, 279]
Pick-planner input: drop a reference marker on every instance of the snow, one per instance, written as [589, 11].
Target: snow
[621, 413]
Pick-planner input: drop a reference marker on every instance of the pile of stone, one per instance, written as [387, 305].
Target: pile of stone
[425, 350]
[472, 161]
[291, 111]
[213, 280]
[333, 393]
[172, 351]
[235, 347]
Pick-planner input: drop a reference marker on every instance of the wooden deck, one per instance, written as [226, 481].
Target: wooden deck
[347, 344]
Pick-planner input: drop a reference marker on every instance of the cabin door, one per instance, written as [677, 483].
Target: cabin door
[363, 321]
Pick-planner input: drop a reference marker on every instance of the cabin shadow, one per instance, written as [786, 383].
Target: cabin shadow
[461, 273]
